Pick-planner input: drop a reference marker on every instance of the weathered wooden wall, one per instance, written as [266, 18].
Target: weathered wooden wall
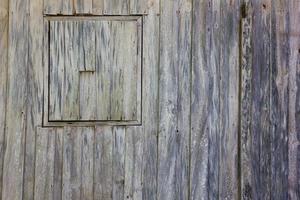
[221, 106]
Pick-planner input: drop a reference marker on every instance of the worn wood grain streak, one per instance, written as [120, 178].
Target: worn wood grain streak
[17, 100]
[78, 148]
[150, 103]
[279, 100]
[34, 93]
[294, 102]
[173, 149]
[204, 163]
[3, 78]
[118, 167]
[48, 168]
[103, 163]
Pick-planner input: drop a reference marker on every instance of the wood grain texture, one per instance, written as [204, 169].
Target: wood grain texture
[245, 102]
[70, 96]
[116, 7]
[150, 103]
[3, 78]
[294, 102]
[204, 167]
[56, 70]
[229, 98]
[220, 99]
[133, 163]
[117, 53]
[104, 46]
[86, 45]
[48, 168]
[118, 168]
[78, 149]
[83, 6]
[144, 6]
[279, 100]
[34, 93]
[87, 97]
[98, 6]
[17, 100]
[54, 7]
[255, 101]
[174, 108]
[103, 163]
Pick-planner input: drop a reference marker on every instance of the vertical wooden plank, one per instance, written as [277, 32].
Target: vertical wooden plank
[118, 170]
[87, 97]
[129, 51]
[174, 98]
[70, 97]
[204, 164]
[133, 163]
[83, 6]
[104, 44]
[229, 98]
[98, 6]
[245, 102]
[78, 163]
[279, 100]
[117, 75]
[103, 163]
[48, 168]
[34, 93]
[150, 103]
[17, 99]
[255, 101]
[87, 67]
[87, 163]
[3, 78]
[86, 45]
[182, 134]
[56, 69]
[116, 7]
[294, 102]
[260, 102]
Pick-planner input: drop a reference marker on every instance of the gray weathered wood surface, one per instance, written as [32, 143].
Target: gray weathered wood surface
[220, 99]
